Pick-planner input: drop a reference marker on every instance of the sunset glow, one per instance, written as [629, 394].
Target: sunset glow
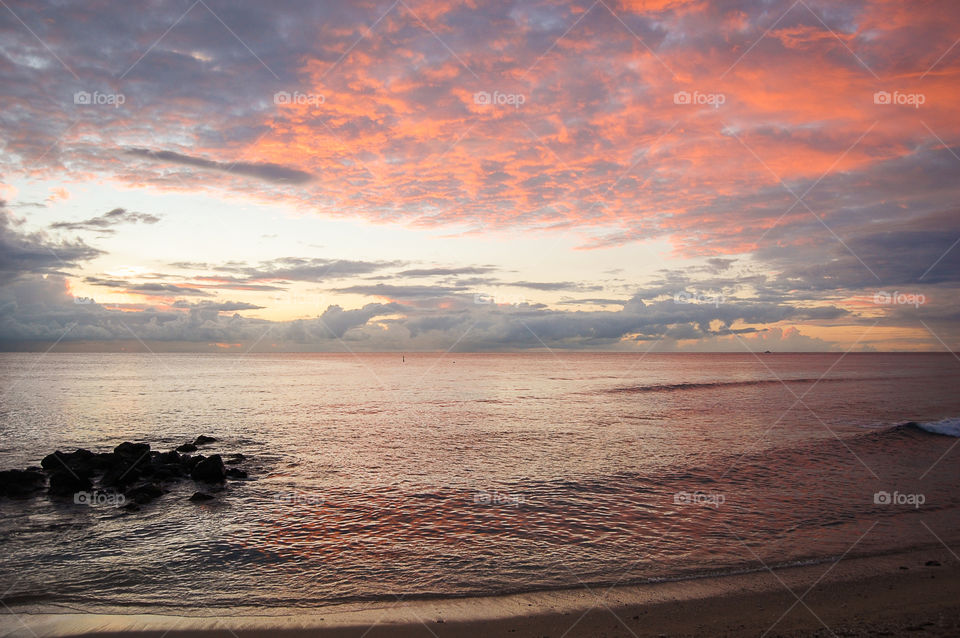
[634, 175]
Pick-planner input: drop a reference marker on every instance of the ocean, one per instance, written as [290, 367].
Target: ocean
[374, 478]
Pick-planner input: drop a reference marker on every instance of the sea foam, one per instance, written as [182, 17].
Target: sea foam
[948, 427]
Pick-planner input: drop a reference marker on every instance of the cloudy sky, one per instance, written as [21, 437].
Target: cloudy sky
[410, 175]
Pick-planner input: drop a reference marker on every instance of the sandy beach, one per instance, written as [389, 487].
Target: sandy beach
[913, 593]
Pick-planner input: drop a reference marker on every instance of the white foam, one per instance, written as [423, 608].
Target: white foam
[949, 426]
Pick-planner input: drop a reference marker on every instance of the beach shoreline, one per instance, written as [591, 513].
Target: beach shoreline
[915, 592]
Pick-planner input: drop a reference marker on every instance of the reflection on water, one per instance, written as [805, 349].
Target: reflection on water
[497, 473]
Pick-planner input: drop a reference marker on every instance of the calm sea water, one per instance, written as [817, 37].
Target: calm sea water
[473, 473]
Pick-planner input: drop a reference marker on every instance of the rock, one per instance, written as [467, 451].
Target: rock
[209, 469]
[66, 484]
[132, 470]
[143, 493]
[121, 476]
[110, 461]
[53, 461]
[200, 496]
[168, 472]
[135, 450]
[21, 482]
[235, 473]
[162, 474]
[933, 563]
[106, 460]
[167, 458]
[81, 462]
[81, 455]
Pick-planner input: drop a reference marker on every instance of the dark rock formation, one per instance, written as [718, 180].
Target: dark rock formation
[168, 472]
[21, 482]
[167, 458]
[66, 483]
[134, 450]
[191, 462]
[132, 469]
[235, 459]
[81, 462]
[209, 469]
[199, 497]
[121, 475]
[143, 493]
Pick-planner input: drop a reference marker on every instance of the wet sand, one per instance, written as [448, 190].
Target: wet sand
[892, 595]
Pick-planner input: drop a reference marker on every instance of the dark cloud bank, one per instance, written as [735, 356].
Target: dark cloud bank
[37, 308]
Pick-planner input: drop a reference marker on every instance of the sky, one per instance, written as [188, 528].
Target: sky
[633, 175]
